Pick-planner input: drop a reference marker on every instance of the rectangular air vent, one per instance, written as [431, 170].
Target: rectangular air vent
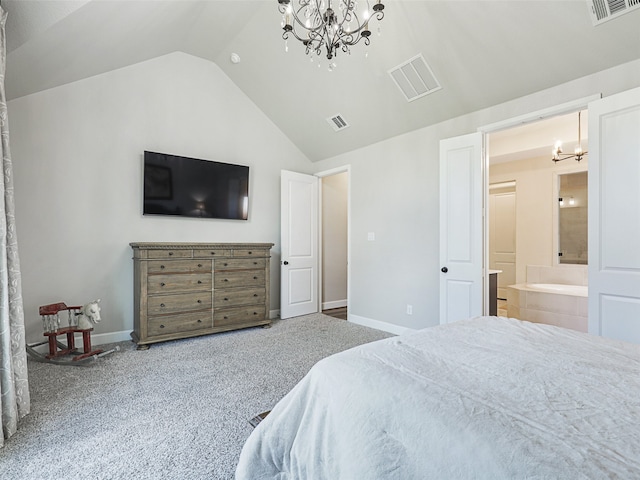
[414, 78]
[337, 122]
[604, 10]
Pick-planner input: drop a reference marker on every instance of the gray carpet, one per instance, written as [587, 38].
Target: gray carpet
[178, 410]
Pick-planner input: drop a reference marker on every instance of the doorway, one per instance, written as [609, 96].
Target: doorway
[334, 241]
[523, 210]
[502, 239]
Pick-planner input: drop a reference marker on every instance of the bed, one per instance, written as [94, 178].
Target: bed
[487, 398]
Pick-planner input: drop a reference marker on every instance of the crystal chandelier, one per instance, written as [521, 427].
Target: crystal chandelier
[577, 153]
[328, 24]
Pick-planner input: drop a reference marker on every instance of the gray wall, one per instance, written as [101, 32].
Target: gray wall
[77, 151]
[394, 193]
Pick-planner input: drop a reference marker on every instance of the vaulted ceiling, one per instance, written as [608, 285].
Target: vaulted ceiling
[482, 52]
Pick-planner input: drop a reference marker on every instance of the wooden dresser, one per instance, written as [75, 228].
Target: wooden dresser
[187, 289]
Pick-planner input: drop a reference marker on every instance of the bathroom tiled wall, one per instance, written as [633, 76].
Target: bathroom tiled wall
[565, 275]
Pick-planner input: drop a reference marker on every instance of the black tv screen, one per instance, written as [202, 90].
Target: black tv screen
[192, 187]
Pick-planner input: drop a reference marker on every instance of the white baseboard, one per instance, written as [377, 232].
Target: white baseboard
[102, 338]
[334, 304]
[378, 325]
[124, 335]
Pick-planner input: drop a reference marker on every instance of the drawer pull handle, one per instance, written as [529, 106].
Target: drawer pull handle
[199, 282]
[161, 326]
[250, 253]
[213, 253]
[226, 279]
[226, 264]
[226, 318]
[161, 267]
[162, 305]
[170, 254]
[226, 299]
[255, 313]
[255, 263]
[255, 278]
[199, 301]
[199, 265]
[199, 321]
[255, 294]
[162, 284]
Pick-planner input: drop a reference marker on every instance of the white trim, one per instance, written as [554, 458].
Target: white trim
[494, 186]
[103, 338]
[333, 171]
[334, 304]
[378, 325]
[568, 107]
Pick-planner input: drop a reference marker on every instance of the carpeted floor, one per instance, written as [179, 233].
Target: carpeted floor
[179, 410]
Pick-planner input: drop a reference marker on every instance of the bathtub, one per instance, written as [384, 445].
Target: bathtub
[577, 290]
[554, 304]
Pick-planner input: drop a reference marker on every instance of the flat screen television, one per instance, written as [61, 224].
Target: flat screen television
[192, 187]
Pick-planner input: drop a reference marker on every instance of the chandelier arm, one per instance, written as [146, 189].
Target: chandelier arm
[327, 29]
[317, 24]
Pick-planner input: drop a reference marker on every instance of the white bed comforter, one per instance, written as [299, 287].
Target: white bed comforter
[488, 398]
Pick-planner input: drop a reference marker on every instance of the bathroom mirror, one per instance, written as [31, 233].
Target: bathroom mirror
[572, 218]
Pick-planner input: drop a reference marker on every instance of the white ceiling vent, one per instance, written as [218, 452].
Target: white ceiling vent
[604, 10]
[338, 122]
[414, 78]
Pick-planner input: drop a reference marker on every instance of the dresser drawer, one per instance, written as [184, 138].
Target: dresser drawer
[186, 322]
[249, 252]
[182, 253]
[178, 266]
[183, 302]
[239, 263]
[230, 316]
[178, 283]
[238, 278]
[244, 296]
[212, 253]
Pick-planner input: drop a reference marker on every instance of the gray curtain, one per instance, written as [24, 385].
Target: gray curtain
[14, 386]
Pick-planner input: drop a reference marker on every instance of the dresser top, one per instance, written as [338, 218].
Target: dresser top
[184, 245]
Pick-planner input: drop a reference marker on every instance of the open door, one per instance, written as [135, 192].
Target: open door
[461, 228]
[614, 216]
[299, 241]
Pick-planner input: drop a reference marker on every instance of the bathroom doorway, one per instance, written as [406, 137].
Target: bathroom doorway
[523, 202]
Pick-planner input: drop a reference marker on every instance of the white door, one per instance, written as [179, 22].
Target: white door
[461, 228]
[299, 241]
[502, 235]
[614, 216]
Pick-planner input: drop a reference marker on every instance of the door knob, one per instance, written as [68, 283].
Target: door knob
[285, 262]
[444, 269]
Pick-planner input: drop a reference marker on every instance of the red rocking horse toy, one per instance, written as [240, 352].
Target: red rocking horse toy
[80, 320]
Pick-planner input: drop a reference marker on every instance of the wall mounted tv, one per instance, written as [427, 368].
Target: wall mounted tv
[192, 187]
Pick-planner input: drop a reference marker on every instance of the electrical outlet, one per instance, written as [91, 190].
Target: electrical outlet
[409, 309]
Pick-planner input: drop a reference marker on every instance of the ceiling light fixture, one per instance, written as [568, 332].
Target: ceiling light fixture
[317, 25]
[577, 153]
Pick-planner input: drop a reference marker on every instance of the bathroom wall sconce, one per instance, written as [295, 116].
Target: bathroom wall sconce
[570, 203]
